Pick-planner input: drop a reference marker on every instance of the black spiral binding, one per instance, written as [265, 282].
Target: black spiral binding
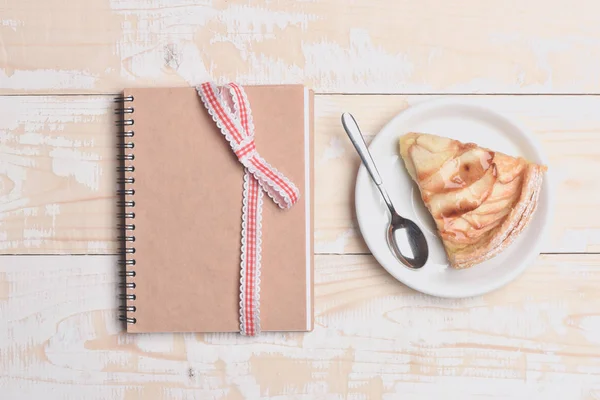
[126, 204]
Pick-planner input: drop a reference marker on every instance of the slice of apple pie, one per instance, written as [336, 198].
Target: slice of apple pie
[480, 199]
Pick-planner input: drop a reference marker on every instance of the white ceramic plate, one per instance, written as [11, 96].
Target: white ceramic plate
[468, 122]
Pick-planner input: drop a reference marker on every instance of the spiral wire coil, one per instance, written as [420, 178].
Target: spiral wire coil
[126, 215]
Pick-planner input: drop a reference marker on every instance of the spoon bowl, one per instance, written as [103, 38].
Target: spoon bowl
[404, 238]
[407, 242]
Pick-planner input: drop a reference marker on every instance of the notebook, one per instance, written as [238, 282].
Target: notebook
[181, 188]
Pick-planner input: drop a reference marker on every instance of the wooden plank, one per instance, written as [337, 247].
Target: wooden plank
[58, 159]
[370, 46]
[537, 338]
[567, 126]
[57, 175]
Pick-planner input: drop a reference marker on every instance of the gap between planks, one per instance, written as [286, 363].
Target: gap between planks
[457, 94]
[569, 128]
[591, 253]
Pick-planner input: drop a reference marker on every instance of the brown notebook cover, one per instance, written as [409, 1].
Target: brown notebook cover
[188, 209]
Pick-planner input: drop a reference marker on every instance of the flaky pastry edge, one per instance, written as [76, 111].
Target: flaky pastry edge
[512, 226]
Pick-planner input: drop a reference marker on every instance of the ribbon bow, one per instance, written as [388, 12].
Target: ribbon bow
[237, 127]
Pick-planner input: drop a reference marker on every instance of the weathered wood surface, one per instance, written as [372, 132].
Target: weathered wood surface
[568, 128]
[537, 338]
[57, 175]
[58, 159]
[369, 46]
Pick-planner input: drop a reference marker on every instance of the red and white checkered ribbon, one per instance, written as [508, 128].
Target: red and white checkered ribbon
[237, 127]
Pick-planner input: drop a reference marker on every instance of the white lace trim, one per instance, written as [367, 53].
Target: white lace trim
[273, 190]
[272, 186]
[281, 198]
[212, 113]
[256, 294]
[259, 207]
[234, 115]
[243, 256]
[249, 113]
[236, 104]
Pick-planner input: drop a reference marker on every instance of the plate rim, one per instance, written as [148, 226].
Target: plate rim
[539, 152]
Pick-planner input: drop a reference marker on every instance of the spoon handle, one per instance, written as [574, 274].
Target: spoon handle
[358, 141]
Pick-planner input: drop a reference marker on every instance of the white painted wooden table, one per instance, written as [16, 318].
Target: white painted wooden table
[61, 61]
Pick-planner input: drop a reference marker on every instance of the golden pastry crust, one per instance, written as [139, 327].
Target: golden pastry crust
[480, 199]
[511, 227]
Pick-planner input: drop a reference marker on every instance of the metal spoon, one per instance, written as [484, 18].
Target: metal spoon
[404, 237]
